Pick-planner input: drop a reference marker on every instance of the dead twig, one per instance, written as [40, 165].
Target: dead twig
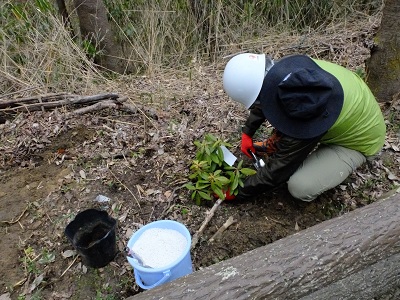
[69, 267]
[16, 220]
[217, 235]
[134, 108]
[169, 207]
[19, 92]
[13, 79]
[20, 283]
[119, 181]
[95, 107]
[119, 103]
[276, 221]
[199, 232]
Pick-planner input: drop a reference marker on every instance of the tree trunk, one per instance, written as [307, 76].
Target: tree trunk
[96, 29]
[62, 9]
[383, 67]
[354, 256]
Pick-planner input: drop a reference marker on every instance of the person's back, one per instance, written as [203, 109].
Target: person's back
[360, 125]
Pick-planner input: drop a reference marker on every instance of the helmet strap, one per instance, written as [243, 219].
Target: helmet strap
[269, 62]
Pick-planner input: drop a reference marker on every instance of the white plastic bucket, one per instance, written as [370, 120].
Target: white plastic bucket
[148, 278]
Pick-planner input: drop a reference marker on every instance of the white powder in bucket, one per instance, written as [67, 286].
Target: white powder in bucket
[159, 247]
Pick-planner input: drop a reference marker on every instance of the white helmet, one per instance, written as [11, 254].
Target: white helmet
[243, 77]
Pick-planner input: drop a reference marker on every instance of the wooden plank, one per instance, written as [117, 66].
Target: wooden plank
[301, 264]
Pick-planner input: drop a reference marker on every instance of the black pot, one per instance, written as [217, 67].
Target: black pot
[92, 233]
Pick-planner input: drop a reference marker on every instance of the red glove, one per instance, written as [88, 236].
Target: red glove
[247, 144]
[228, 196]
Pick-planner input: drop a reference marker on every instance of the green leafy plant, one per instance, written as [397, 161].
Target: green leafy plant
[29, 261]
[90, 49]
[361, 73]
[47, 257]
[211, 175]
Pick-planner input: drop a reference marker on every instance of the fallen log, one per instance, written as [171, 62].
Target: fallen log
[370, 283]
[359, 249]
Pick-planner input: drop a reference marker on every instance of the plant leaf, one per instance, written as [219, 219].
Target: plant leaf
[204, 195]
[235, 183]
[202, 184]
[216, 173]
[215, 158]
[193, 176]
[219, 193]
[247, 171]
[240, 164]
[204, 176]
[222, 179]
[190, 186]
[220, 154]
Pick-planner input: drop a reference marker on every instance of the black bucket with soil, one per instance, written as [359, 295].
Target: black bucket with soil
[92, 233]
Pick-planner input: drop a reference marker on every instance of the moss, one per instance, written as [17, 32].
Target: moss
[384, 66]
[393, 64]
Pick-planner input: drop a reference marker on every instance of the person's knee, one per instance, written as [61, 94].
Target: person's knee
[301, 190]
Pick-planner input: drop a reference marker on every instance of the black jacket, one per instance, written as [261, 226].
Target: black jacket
[290, 153]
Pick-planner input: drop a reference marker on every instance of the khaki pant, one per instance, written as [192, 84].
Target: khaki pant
[325, 168]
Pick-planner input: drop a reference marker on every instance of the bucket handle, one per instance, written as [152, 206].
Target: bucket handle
[167, 274]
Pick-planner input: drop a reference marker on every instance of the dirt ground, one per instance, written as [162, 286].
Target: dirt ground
[53, 166]
[43, 191]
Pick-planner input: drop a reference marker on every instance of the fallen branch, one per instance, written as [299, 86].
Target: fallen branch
[97, 106]
[217, 235]
[32, 99]
[199, 232]
[50, 101]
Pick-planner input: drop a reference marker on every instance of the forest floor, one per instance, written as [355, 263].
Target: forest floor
[52, 166]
